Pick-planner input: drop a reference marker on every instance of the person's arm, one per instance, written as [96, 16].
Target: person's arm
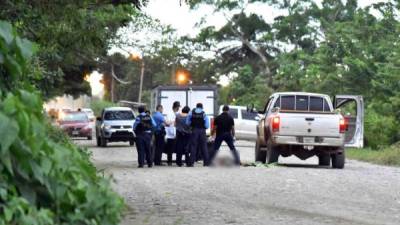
[153, 123]
[137, 120]
[214, 129]
[233, 127]
[189, 119]
[206, 121]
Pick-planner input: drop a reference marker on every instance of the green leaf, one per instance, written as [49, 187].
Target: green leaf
[25, 48]
[8, 214]
[6, 31]
[8, 132]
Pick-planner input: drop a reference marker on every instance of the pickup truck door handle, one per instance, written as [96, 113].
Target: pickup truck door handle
[309, 119]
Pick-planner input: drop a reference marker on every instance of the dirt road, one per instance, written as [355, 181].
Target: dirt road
[295, 192]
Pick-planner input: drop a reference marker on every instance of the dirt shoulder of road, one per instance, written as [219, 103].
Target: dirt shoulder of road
[389, 156]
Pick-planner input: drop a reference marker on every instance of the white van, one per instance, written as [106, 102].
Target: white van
[245, 122]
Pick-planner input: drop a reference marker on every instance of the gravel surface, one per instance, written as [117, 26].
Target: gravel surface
[294, 192]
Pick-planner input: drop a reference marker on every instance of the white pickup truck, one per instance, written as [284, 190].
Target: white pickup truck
[308, 124]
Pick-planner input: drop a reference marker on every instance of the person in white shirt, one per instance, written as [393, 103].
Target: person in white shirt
[171, 132]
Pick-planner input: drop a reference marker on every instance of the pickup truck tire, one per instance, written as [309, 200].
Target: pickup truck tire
[132, 142]
[260, 156]
[324, 160]
[89, 138]
[338, 160]
[272, 153]
[103, 142]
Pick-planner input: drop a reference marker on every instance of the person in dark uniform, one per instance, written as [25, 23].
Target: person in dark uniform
[159, 134]
[183, 133]
[224, 127]
[199, 122]
[143, 127]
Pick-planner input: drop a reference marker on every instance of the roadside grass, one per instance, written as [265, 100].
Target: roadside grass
[385, 156]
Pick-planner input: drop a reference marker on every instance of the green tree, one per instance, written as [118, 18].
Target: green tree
[72, 37]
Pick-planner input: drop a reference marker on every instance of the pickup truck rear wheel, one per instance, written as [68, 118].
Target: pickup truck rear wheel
[272, 153]
[324, 160]
[131, 142]
[260, 156]
[338, 160]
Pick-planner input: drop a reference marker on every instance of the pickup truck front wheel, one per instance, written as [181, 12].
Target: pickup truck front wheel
[260, 156]
[272, 153]
[338, 160]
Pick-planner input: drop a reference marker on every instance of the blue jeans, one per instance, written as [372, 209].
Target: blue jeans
[143, 145]
[228, 138]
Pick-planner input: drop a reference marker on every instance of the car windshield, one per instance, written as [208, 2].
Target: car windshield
[81, 117]
[119, 115]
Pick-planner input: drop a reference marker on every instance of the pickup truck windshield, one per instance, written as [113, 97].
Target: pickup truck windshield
[118, 115]
[302, 103]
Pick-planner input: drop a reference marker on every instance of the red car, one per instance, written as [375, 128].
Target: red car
[76, 124]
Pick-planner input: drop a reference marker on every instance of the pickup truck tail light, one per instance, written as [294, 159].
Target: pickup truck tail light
[276, 122]
[343, 123]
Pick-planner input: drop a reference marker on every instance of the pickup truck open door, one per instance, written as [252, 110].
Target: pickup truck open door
[354, 136]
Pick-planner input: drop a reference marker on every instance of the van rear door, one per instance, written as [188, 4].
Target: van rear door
[352, 109]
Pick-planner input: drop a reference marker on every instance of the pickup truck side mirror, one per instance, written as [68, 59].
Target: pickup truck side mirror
[98, 119]
[257, 118]
[275, 109]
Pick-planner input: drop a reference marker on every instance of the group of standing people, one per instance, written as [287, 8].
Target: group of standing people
[182, 132]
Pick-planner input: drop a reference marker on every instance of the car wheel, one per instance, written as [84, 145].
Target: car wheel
[103, 142]
[272, 153]
[338, 160]
[324, 160]
[132, 142]
[98, 141]
[260, 156]
[89, 138]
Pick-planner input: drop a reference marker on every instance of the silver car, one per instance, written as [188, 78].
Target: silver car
[115, 124]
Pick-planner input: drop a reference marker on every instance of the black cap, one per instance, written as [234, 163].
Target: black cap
[225, 108]
[199, 105]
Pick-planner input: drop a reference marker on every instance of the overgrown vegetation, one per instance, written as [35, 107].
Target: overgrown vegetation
[384, 156]
[44, 178]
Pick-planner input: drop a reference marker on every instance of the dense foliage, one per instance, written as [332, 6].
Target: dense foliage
[44, 178]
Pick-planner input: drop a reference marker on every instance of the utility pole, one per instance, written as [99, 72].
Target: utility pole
[141, 81]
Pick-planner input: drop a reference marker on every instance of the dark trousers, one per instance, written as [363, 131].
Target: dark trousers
[143, 145]
[170, 149]
[159, 148]
[182, 148]
[198, 142]
[227, 137]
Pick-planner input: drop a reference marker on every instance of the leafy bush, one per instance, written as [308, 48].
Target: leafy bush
[45, 181]
[44, 178]
[380, 130]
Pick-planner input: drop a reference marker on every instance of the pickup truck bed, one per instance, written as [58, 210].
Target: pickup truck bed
[307, 124]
